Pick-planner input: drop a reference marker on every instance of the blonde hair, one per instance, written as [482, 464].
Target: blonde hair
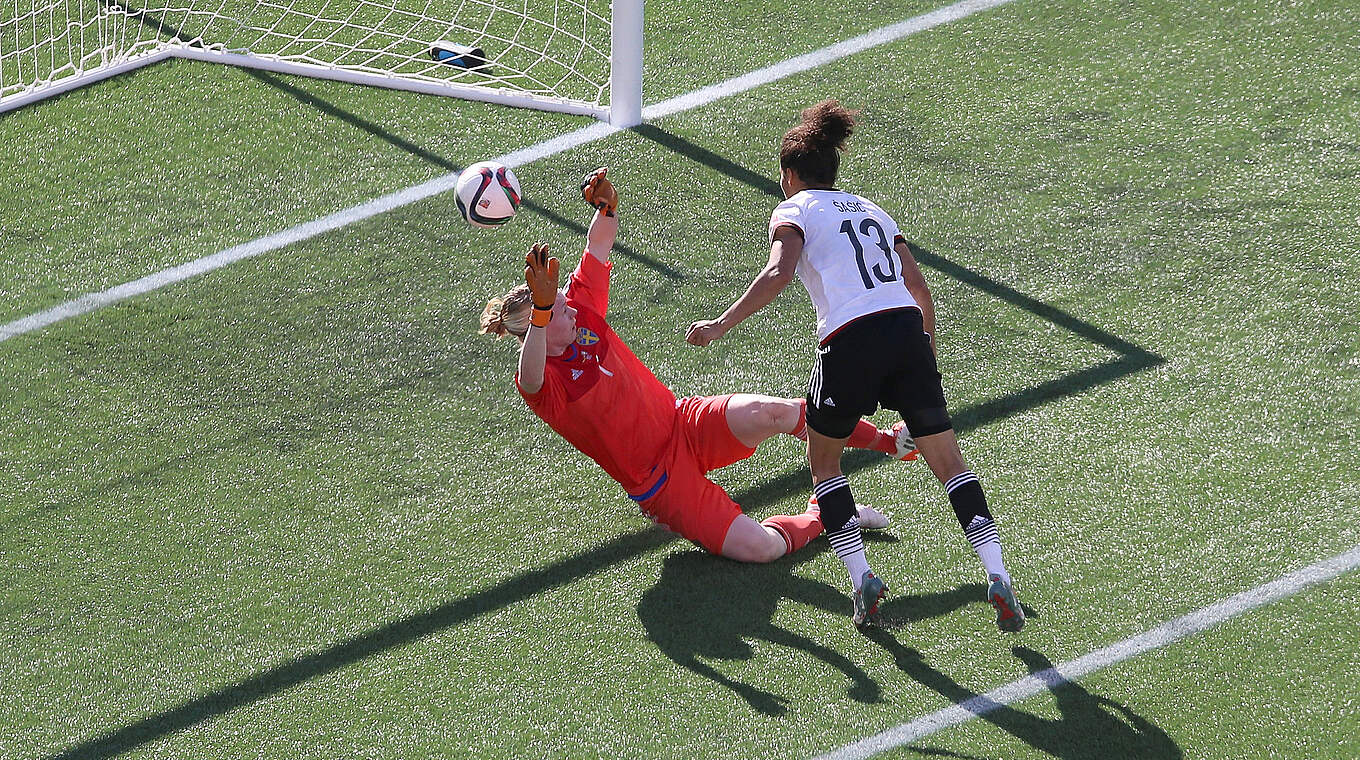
[507, 315]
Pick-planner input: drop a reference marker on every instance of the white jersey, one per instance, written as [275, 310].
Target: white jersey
[848, 266]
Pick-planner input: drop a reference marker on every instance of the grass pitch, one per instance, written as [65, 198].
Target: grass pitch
[294, 508]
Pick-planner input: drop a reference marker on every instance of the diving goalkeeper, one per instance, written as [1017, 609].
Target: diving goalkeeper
[582, 379]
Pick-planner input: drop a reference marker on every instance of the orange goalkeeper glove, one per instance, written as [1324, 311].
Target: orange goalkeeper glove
[599, 192]
[540, 272]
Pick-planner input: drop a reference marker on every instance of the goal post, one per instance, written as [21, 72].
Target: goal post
[625, 81]
[571, 56]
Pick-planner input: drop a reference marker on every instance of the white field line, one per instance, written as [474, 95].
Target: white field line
[1160, 636]
[703, 96]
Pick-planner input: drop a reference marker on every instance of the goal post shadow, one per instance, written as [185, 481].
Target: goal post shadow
[1131, 358]
[527, 203]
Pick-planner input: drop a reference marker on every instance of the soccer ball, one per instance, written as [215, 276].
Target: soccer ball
[488, 194]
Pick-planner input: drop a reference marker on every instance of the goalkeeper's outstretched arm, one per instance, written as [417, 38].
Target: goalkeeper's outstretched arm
[541, 274]
[599, 192]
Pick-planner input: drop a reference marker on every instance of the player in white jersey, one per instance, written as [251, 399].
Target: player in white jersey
[835, 224]
[875, 329]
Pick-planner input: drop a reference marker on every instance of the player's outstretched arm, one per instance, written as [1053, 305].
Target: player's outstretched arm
[540, 272]
[785, 251]
[599, 192]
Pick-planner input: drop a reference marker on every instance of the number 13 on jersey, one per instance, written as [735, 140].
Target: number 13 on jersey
[871, 229]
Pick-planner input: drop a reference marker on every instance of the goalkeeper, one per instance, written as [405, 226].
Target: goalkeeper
[583, 380]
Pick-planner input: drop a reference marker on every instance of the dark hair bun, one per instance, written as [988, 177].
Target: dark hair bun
[826, 125]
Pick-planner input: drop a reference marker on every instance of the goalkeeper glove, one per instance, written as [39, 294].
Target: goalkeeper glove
[540, 272]
[599, 192]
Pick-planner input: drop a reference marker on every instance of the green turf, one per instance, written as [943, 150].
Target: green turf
[295, 509]
[1225, 693]
[184, 159]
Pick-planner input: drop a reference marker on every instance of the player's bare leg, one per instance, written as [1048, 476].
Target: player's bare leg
[754, 418]
[750, 541]
[942, 455]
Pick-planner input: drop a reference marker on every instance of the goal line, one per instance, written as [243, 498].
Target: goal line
[89, 302]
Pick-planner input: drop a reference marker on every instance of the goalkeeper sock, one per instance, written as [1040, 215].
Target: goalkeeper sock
[800, 427]
[865, 436]
[797, 530]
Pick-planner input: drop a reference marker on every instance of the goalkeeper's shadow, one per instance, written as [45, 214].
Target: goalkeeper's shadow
[705, 608]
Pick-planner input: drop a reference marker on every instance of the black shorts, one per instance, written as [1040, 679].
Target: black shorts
[878, 359]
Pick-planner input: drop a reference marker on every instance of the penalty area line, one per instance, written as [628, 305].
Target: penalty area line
[89, 302]
[1035, 683]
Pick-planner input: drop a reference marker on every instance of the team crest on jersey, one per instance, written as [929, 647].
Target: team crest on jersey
[586, 336]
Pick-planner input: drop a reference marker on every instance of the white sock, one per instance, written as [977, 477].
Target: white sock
[849, 546]
[990, 554]
[858, 565]
[981, 533]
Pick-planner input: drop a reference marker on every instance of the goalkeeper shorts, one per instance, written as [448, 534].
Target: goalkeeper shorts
[682, 499]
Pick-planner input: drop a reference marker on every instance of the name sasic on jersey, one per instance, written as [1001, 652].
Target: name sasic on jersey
[848, 266]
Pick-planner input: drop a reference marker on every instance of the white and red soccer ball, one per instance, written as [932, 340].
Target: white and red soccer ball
[488, 194]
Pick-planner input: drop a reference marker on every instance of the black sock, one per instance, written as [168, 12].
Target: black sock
[970, 506]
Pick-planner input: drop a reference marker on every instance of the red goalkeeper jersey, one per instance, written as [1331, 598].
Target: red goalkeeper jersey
[599, 396]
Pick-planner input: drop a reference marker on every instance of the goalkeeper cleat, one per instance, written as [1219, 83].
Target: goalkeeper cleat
[871, 591]
[1010, 617]
[906, 445]
[869, 518]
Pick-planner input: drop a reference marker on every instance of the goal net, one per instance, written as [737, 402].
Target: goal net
[577, 56]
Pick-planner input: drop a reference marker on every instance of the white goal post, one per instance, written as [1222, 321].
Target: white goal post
[573, 56]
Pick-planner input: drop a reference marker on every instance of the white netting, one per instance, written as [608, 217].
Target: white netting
[44, 40]
[549, 48]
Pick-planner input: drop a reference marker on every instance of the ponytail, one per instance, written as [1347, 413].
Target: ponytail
[507, 315]
[812, 148]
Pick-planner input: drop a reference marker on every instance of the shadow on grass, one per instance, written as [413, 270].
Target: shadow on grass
[1091, 727]
[899, 611]
[534, 582]
[768, 186]
[522, 587]
[700, 608]
[303, 96]
[678, 588]
[384, 638]
[312, 100]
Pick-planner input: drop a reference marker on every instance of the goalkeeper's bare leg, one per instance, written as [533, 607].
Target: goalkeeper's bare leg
[755, 418]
